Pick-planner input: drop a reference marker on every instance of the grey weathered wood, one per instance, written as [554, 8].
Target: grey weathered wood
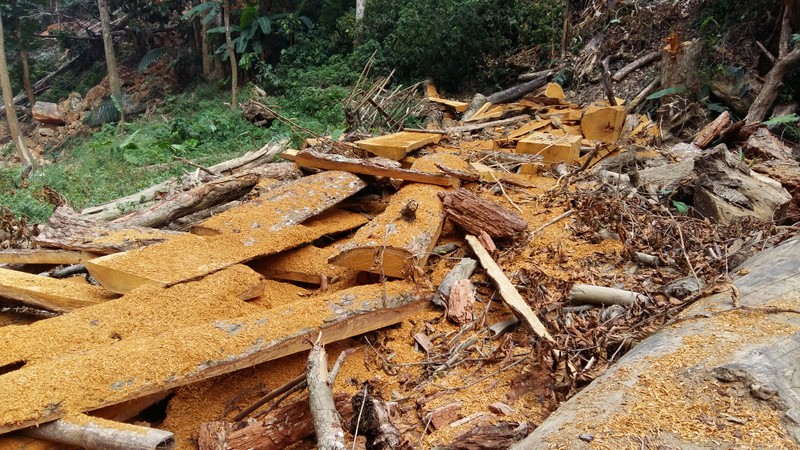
[93, 433]
[460, 271]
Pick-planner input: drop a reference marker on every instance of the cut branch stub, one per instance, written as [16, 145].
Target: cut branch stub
[475, 214]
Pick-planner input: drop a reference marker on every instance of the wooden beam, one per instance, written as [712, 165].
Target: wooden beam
[262, 228]
[50, 293]
[455, 105]
[396, 146]
[552, 148]
[146, 312]
[45, 256]
[508, 292]
[49, 390]
[311, 158]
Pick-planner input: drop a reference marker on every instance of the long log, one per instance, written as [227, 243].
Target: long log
[49, 390]
[508, 292]
[40, 85]
[327, 426]
[518, 91]
[66, 229]
[181, 204]
[93, 433]
[113, 209]
[314, 159]
[475, 214]
[722, 376]
[50, 293]
[263, 227]
[146, 312]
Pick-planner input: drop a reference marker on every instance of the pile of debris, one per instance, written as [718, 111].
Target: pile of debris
[469, 279]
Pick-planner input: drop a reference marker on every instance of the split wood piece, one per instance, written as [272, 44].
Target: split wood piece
[147, 311]
[528, 128]
[371, 418]
[69, 230]
[474, 214]
[182, 204]
[601, 295]
[492, 111]
[508, 292]
[712, 130]
[475, 105]
[455, 105]
[481, 126]
[327, 426]
[554, 90]
[393, 245]
[286, 426]
[487, 175]
[311, 158]
[643, 61]
[550, 147]
[513, 93]
[261, 232]
[279, 207]
[45, 256]
[49, 390]
[396, 146]
[603, 123]
[50, 293]
[442, 416]
[461, 271]
[93, 433]
[461, 302]
[266, 154]
[307, 264]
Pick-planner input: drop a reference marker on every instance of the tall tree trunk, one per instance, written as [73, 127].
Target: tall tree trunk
[8, 98]
[226, 16]
[111, 60]
[23, 56]
[208, 64]
[360, 7]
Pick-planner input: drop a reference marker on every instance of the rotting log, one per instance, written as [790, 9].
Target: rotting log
[518, 91]
[181, 204]
[508, 292]
[314, 159]
[50, 293]
[724, 188]
[93, 433]
[45, 256]
[371, 418]
[677, 387]
[267, 226]
[49, 390]
[145, 312]
[69, 230]
[286, 171]
[475, 214]
[461, 302]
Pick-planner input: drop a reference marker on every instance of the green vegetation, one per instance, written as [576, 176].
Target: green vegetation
[111, 163]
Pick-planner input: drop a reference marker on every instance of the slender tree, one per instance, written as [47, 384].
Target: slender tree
[226, 16]
[23, 55]
[111, 60]
[8, 98]
[360, 7]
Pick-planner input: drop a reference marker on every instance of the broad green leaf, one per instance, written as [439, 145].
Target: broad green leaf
[781, 120]
[200, 9]
[682, 208]
[665, 92]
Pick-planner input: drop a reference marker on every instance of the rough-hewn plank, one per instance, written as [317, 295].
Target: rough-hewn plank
[50, 293]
